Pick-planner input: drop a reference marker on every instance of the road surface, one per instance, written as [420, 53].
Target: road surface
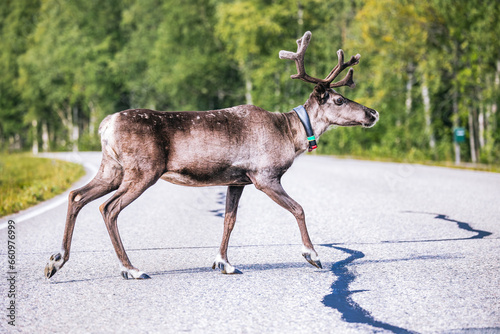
[405, 249]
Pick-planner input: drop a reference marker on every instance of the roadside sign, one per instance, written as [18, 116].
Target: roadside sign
[459, 135]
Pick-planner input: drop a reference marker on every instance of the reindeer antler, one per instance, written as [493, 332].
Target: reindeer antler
[298, 57]
[348, 80]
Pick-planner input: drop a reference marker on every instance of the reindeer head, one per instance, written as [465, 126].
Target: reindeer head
[332, 107]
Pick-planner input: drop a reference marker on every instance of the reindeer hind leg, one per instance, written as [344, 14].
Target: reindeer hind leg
[130, 189]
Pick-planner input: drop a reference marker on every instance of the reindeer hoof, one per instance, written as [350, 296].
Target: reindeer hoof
[55, 263]
[134, 274]
[225, 267]
[312, 257]
[316, 263]
[49, 272]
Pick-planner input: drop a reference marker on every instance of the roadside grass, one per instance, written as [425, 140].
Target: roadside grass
[26, 180]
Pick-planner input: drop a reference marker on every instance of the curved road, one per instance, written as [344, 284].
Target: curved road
[405, 249]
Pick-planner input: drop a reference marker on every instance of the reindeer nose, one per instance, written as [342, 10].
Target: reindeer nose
[372, 117]
[371, 112]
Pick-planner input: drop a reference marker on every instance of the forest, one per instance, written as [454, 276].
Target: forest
[429, 68]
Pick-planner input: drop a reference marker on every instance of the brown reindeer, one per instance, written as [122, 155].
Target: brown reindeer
[231, 147]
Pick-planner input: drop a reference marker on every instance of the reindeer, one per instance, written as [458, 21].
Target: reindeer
[231, 147]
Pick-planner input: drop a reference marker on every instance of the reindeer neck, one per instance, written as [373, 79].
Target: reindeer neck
[316, 115]
[297, 130]
[297, 133]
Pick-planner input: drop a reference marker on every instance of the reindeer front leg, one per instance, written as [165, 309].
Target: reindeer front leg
[102, 184]
[272, 187]
[232, 199]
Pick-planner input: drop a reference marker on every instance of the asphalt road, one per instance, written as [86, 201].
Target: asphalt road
[405, 248]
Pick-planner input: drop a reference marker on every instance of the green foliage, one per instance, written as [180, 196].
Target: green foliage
[25, 181]
[188, 63]
[426, 66]
[16, 25]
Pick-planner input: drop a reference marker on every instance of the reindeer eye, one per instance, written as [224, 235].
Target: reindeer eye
[339, 100]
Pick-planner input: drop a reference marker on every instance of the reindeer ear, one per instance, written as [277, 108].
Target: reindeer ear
[319, 90]
[321, 93]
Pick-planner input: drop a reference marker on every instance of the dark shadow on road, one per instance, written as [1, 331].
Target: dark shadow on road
[340, 298]
[221, 200]
[465, 226]
[93, 279]
[242, 267]
[461, 225]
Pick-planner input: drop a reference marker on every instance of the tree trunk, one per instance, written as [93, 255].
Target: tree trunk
[456, 51]
[455, 125]
[248, 88]
[45, 137]
[67, 121]
[92, 119]
[300, 18]
[472, 137]
[76, 133]
[15, 142]
[494, 106]
[408, 106]
[34, 124]
[427, 113]
[409, 85]
[481, 126]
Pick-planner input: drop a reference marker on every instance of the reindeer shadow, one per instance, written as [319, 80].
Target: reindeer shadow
[340, 298]
[243, 267]
[221, 200]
